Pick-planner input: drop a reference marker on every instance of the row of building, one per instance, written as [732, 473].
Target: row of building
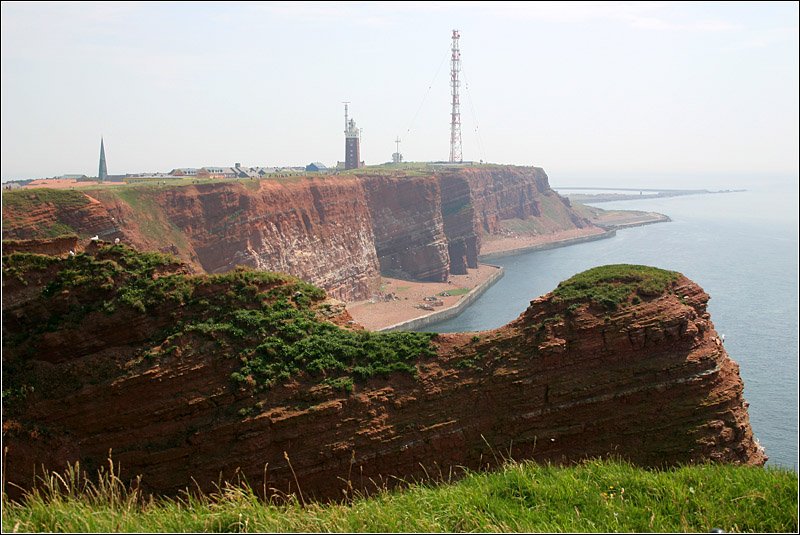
[237, 171]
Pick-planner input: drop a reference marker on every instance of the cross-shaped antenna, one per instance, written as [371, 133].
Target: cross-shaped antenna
[345, 114]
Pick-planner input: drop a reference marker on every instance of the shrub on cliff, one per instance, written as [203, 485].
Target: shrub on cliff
[294, 341]
[267, 321]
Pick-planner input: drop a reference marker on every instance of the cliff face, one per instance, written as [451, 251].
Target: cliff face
[505, 193]
[642, 376]
[407, 220]
[338, 232]
[461, 222]
[37, 213]
[429, 226]
[318, 230]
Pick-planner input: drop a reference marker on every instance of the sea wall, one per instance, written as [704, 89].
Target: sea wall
[450, 312]
[549, 245]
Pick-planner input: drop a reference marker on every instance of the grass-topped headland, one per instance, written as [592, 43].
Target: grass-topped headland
[271, 324]
[615, 286]
[18, 205]
[28, 199]
[595, 496]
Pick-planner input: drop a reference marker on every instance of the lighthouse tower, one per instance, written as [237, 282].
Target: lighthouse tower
[352, 139]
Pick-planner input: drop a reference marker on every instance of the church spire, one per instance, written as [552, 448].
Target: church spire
[103, 173]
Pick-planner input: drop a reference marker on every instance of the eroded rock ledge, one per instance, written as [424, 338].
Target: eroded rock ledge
[109, 351]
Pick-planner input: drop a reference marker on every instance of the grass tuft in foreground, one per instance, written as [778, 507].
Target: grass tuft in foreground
[596, 496]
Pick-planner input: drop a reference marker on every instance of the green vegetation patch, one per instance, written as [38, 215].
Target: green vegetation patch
[455, 291]
[26, 200]
[266, 321]
[21, 265]
[595, 496]
[616, 285]
[293, 341]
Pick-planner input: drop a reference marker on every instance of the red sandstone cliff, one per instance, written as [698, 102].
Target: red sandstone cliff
[338, 232]
[649, 382]
[407, 221]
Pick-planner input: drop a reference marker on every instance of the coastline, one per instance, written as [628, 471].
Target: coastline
[632, 224]
[397, 307]
[451, 312]
[609, 233]
[403, 310]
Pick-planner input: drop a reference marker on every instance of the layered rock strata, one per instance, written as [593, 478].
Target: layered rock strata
[338, 232]
[407, 221]
[648, 381]
[318, 230]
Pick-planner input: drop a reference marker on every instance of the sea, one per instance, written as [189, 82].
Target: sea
[740, 247]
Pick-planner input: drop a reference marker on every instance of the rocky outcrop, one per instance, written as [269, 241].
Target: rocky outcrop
[643, 376]
[338, 232]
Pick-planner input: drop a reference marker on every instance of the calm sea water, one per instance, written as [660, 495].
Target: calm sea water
[742, 248]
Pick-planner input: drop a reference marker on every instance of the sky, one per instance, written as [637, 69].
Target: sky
[598, 93]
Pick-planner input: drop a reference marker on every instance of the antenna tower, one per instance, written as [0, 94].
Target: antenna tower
[455, 113]
[397, 157]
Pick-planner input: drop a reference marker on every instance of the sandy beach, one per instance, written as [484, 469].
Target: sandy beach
[511, 242]
[402, 300]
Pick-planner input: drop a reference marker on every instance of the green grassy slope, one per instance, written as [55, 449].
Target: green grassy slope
[597, 496]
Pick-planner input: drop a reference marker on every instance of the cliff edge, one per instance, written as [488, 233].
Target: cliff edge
[339, 232]
[187, 378]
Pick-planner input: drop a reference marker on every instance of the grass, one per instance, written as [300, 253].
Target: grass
[595, 496]
[26, 200]
[267, 322]
[614, 286]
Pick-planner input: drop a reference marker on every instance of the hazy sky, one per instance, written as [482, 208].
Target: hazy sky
[609, 93]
